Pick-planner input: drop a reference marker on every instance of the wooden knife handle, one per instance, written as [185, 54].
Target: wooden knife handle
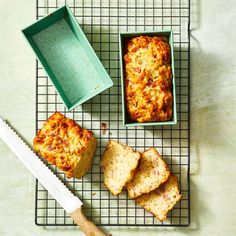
[88, 227]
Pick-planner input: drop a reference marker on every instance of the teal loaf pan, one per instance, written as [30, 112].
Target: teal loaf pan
[67, 57]
[122, 38]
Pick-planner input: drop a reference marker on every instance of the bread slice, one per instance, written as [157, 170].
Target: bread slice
[62, 142]
[162, 199]
[118, 163]
[152, 171]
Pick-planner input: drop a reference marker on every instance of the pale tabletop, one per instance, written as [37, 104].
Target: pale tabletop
[213, 119]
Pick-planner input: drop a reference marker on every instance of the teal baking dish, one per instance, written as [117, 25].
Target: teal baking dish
[67, 57]
[122, 37]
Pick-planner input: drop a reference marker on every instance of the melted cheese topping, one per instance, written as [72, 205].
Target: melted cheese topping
[148, 79]
[61, 141]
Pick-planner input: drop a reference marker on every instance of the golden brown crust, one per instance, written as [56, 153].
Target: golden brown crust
[160, 201]
[62, 142]
[148, 79]
[118, 163]
[152, 171]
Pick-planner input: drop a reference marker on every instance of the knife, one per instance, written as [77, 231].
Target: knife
[71, 203]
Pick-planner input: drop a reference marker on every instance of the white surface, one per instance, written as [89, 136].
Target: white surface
[213, 118]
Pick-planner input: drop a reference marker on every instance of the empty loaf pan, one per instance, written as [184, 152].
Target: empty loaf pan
[67, 57]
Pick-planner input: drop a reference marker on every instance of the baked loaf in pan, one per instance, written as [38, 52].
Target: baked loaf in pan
[62, 142]
[160, 201]
[152, 171]
[118, 163]
[148, 79]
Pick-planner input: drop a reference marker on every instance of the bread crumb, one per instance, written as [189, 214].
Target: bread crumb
[104, 128]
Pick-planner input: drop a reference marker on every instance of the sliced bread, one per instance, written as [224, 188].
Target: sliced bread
[162, 199]
[152, 171]
[118, 163]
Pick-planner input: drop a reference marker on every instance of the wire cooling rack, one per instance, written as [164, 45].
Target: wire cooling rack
[101, 22]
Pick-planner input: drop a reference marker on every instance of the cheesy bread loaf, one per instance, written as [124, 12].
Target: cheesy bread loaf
[148, 79]
[62, 142]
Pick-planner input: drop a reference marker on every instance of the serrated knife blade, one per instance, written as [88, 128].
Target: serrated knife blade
[47, 178]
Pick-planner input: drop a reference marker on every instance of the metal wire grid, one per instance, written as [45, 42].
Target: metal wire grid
[101, 22]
